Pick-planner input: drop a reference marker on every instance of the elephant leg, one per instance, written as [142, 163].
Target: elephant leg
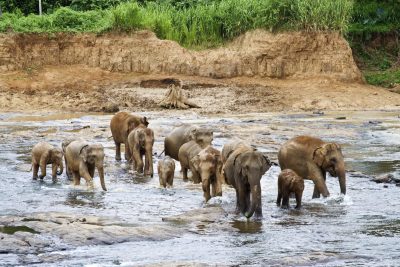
[117, 151]
[35, 168]
[285, 199]
[216, 187]
[42, 170]
[127, 151]
[206, 189]
[54, 171]
[243, 199]
[76, 177]
[279, 198]
[320, 183]
[237, 210]
[91, 171]
[298, 199]
[184, 173]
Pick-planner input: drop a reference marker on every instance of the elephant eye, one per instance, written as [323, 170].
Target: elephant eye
[333, 160]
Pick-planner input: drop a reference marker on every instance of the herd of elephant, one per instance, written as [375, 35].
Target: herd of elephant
[238, 164]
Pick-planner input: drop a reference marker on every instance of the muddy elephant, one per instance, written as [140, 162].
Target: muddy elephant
[289, 182]
[64, 145]
[121, 125]
[244, 169]
[186, 153]
[184, 134]
[208, 164]
[82, 159]
[140, 142]
[42, 154]
[311, 158]
[166, 171]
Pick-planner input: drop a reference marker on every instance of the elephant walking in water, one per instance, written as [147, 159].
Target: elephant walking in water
[140, 142]
[243, 169]
[42, 154]
[121, 125]
[311, 158]
[82, 160]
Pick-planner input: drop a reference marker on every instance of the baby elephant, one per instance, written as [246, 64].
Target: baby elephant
[140, 142]
[42, 154]
[289, 182]
[166, 170]
[208, 164]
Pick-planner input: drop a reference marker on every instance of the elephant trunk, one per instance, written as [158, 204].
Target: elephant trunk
[101, 175]
[255, 202]
[148, 167]
[61, 167]
[342, 180]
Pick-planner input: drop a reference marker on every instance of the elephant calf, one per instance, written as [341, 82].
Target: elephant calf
[64, 145]
[140, 142]
[166, 170]
[82, 160]
[208, 164]
[42, 154]
[289, 182]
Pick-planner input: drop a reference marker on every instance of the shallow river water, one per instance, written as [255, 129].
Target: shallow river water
[361, 228]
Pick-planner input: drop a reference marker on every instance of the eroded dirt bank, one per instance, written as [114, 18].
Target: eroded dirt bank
[257, 72]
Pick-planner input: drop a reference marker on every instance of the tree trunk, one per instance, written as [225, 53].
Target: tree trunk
[175, 99]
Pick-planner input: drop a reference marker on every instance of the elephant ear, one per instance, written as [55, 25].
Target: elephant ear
[144, 121]
[196, 162]
[266, 163]
[237, 167]
[84, 153]
[319, 155]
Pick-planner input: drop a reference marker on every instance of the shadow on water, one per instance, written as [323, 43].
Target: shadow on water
[85, 199]
[248, 226]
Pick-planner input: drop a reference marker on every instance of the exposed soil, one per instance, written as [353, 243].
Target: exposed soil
[257, 72]
[81, 88]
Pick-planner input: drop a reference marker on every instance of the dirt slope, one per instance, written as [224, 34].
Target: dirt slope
[258, 72]
[254, 54]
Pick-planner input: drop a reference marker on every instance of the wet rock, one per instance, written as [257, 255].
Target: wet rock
[318, 112]
[340, 118]
[385, 186]
[386, 178]
[374, 122]
[209, 214]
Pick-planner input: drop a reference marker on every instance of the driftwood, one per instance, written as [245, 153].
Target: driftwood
[175, 98]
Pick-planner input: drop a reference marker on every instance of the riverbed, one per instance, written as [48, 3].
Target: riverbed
[174, 226]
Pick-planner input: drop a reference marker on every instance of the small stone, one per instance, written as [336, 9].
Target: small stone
[318, 113]
[340, 118]
[386, 178]
[385, 186]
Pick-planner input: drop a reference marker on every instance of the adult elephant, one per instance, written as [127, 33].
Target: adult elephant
[42, 154]
[311, 158]
[141, 141]
[243, 169]
[121, 125]
[184, 134]
[82, 159]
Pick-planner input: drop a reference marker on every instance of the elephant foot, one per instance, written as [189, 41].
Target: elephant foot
[118, 158]
[41, 177]
[34, 178]
[298, 207]
[185, 180]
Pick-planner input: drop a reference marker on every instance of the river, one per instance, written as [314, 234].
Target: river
[359, 229]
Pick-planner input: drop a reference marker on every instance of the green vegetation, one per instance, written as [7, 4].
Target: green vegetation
[202, 24]
[192, 23]
[386, 78]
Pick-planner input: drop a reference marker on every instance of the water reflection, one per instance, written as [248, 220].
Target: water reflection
[248, 226]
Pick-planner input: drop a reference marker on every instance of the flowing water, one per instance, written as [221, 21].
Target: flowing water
[361, 228]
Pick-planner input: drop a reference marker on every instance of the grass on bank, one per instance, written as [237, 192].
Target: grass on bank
[386, 78]
[202, 25]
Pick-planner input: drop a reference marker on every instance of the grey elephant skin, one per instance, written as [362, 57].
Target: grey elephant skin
[208, 164]
[184, 134]
[140, 142]
[311, 158]
[289, 182]
[243, 169]
[82, 159]
[42, 154]
[166, 171]
[121, 124]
